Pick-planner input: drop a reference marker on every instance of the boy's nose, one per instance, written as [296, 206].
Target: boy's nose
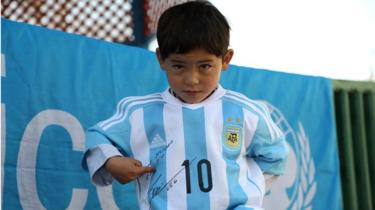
[192, 78]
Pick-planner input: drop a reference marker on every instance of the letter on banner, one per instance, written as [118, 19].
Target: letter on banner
[26, 176]
[3, 70]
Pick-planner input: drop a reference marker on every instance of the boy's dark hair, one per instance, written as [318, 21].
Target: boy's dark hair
[192, 25]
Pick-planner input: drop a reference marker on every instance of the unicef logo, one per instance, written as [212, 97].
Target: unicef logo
[297, 187]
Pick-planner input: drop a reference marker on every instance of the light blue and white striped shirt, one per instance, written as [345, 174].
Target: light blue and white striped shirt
[210, 155]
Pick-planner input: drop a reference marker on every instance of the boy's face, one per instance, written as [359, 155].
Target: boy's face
[195, 74]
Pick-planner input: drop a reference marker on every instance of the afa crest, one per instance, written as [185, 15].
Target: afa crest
[232, 137]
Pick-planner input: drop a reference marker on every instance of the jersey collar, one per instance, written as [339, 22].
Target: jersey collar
[168, 96]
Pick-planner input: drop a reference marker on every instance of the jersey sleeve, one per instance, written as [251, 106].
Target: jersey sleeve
[108, 138]
[268, 146]
[95, 160]
[117, 136]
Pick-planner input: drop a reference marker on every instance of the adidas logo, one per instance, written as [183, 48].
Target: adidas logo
[157, 141]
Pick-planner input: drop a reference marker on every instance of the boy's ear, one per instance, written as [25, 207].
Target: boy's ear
[160, 59]
[227, 58]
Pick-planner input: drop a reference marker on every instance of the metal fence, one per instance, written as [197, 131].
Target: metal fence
[355, 119]
[122, 21]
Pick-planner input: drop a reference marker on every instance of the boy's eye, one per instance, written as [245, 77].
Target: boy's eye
[205, 67]
[177, 67]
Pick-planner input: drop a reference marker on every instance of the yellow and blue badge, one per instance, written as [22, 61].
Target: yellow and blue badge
[232, 137]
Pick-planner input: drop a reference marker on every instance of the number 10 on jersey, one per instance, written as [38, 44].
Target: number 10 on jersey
[202, 164]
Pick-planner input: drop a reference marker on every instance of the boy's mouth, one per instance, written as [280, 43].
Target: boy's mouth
[191, 91]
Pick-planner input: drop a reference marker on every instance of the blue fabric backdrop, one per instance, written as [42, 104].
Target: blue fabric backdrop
[55, 85]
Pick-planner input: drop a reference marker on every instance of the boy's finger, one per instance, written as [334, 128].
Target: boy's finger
[137, 163]
[148, 169]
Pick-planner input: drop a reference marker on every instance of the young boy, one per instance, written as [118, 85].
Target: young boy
[195, 145]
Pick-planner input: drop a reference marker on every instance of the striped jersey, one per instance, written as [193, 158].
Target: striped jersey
[210, 155]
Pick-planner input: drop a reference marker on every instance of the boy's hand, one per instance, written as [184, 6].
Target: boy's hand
[125, 169]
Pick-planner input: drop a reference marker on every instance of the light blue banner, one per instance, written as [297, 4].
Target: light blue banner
[55, 85]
